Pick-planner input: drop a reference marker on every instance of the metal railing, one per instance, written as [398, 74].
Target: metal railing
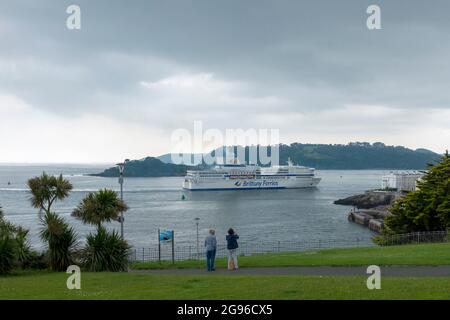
[415, 237]
[189, 252]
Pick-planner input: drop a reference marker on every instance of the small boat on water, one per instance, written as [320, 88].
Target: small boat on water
[235, 176]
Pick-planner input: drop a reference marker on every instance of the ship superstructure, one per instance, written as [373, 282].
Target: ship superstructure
[235, 176]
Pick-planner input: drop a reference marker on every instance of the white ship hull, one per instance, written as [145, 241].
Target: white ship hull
[243, 177]
[288, 182]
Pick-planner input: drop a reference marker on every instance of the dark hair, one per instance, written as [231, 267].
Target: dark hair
[230, 231]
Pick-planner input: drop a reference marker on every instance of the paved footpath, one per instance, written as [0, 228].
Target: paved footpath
[394, 271]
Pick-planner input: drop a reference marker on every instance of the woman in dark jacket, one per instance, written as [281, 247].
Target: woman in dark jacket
[232, 246]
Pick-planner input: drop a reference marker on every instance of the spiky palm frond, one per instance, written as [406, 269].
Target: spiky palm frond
[6, 226]
[105, 251]
[24, 251]
[98, 207]
[61, 240]
[46, 189]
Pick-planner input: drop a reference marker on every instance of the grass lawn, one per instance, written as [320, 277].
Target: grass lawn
[47, 285]
[422, 254]
[52, 285]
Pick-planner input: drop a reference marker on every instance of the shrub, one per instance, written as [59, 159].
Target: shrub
[105, 251]
[23, 249]
[15, 250]
[8, 245]
[38, 261]
[7, 252]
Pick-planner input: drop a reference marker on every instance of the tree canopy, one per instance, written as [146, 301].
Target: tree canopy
[46, 189]
[428, 208]
[98, 207]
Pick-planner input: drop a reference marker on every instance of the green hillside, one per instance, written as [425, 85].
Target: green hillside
[148, 167]
[358, 155]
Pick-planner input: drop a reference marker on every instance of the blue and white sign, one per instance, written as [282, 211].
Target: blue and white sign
[166, 235]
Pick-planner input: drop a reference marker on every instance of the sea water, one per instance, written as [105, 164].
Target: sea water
[256, 215]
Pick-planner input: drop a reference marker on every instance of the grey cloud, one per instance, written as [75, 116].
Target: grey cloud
[307, 56]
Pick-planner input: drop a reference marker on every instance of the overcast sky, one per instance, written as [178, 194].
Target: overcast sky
[138, 70]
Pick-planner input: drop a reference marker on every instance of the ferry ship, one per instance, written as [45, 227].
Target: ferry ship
[235, 176]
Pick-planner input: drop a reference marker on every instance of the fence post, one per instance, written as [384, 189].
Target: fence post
[173, 246]
[159, 245]
[143, 254]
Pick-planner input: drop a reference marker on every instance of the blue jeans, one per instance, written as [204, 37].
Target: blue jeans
[210, 258]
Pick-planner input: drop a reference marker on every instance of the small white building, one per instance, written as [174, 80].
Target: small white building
[404, 181]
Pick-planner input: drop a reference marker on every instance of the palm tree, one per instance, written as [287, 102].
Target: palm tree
[45, 190]
[98, 207]
[61, 240]
[60, 237]
[104, 251]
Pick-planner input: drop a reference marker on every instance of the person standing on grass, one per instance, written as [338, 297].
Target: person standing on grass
[211, 246]
[232, 246]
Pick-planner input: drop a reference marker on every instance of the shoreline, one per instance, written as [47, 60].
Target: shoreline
[370, 208]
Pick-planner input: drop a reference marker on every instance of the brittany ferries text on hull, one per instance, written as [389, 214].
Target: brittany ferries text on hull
[236, 176]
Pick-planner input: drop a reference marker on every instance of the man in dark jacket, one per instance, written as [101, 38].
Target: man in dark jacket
[211, 246]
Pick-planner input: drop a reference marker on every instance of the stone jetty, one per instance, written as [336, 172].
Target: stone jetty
[370, 208]
[371, 218]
